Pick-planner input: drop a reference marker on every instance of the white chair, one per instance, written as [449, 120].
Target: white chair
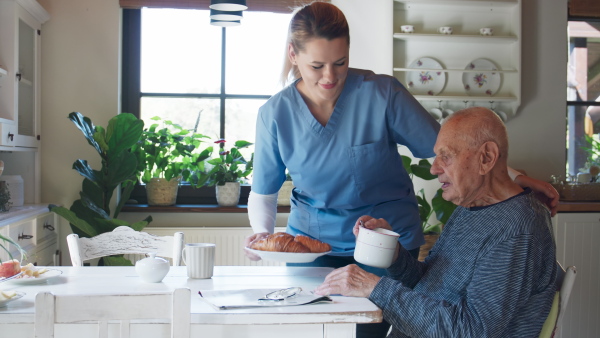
[53, 309]
[564, 284]
[124, 240]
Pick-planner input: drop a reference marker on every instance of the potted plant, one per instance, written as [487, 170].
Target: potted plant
[442, 208]
[90, 215]
[228, 171]
[167, 154]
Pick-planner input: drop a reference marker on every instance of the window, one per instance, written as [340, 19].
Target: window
[211, 79]
[583, 93]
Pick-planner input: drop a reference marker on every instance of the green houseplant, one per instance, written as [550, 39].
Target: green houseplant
[166, 154]
[229, 169]
[5, 241]
[442, 208]
[90, 215]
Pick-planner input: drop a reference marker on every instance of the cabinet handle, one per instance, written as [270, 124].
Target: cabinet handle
[23, 236]
[19, 76]
[48, 226]
[11, 136]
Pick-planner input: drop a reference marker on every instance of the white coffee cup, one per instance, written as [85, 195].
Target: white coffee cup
[486, 31]
[199, 259]
[445, 30]
[375, 247]
[407, 28]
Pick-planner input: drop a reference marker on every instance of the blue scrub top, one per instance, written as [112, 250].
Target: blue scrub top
[350, 167]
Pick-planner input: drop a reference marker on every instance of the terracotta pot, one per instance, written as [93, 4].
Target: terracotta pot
[228, 195]
[425, 248]
[162, 192]
[285, 192]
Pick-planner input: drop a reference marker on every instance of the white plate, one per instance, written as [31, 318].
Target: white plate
[484, 82]
[288, 257]
[4, 279]
[427, 81]
[19, 294]
[51, 273]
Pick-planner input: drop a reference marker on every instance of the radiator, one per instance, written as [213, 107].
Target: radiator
[229, 243]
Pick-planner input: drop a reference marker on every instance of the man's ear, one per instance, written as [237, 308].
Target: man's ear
[488, 156]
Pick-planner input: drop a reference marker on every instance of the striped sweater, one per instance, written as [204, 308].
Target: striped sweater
[492, 273]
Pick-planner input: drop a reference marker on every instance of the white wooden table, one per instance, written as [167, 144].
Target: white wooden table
[332, 320]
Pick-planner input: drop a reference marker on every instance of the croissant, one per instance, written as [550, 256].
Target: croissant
[284, 242]
[314, 245]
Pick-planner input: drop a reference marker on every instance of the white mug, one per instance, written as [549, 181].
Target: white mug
[445, 30]
[486, 31]
[199, 259]
[407, 28]
[375, 247]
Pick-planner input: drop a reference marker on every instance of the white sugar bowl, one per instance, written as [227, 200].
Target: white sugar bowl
[152, 269]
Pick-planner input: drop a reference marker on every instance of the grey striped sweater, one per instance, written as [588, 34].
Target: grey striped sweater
[491, 274]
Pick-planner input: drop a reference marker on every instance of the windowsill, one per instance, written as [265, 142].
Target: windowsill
[194, 208]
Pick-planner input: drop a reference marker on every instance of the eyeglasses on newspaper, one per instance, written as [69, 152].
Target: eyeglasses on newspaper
[282, 294]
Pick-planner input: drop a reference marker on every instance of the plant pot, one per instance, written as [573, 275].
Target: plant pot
[425, 248]
[162, 192]
[229, 194]
[285, 192]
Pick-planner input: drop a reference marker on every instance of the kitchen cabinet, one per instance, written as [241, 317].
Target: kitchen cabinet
[464, 55]
[577, 235]
[35, 229]
[20, 55]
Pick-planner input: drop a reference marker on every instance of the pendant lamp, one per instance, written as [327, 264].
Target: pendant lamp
[228, 5]
[223, 23]
[225, 15]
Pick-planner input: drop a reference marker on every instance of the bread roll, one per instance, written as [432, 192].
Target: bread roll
[314, 245]
[284, 242]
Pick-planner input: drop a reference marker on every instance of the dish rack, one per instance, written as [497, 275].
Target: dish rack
[578, 191]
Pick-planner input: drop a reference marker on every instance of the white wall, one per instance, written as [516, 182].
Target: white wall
[80, 71]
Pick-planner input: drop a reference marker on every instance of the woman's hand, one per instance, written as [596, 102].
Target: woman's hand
[248, 241]
[544, 191]
[348, 281]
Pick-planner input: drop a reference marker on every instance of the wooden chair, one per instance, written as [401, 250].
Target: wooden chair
[53, 309]
[124, 240]
[564, 283]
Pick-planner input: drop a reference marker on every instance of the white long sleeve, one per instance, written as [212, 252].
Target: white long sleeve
[262, 210]
[513, 173]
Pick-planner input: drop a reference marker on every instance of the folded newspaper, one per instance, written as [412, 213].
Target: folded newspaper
[253, 298]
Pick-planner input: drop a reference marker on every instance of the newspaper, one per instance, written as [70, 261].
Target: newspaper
[254, 298]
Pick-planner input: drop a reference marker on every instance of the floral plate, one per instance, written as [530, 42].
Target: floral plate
[427, 81]
[482, 79]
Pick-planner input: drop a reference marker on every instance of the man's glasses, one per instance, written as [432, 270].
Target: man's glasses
[282, 294]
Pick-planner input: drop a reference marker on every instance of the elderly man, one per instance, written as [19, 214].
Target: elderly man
[492, 272]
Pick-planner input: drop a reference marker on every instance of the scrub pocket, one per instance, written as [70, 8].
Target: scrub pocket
[375, 168]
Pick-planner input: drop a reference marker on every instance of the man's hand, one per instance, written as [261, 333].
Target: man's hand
[248, 241]
[348, 281]
[544, 191]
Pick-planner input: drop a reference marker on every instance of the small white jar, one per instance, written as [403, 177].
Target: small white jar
[152, 269]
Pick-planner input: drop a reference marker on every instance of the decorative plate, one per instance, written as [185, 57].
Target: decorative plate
[427, 81]
[483, 82]
[23, 280]
[289, 257]
[4, 302]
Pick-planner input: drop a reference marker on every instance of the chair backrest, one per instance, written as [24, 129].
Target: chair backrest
[53, 309]
[564, 284]
[124, 240]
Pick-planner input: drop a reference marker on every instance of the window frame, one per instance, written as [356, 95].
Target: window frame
[131, 96]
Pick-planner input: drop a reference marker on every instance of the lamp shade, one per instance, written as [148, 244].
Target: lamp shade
[224, 23]
[228, 5]
[225, 15]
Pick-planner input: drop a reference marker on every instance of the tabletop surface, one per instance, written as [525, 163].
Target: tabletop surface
[124, 280]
